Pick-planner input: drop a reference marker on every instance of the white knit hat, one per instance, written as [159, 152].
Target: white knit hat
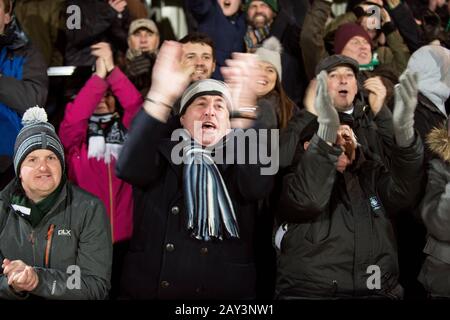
[271, 52]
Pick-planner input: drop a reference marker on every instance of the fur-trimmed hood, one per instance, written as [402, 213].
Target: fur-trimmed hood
[439, 142]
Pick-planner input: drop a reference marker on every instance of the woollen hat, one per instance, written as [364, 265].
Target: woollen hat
[270, 52]
[271, 3]
[347, 31]
[205, 87]
[36, 134]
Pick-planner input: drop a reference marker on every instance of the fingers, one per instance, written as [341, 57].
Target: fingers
[27, 280]
[322, 79]
[408, 80]
[170, 49]
[321, 83]
[12, 277]
[241, 74]
[243, 65]
[170, 54]
[118, 5]
[374, 84]
[14, 266]
[5, 262]
[100, 45]
[101, 49]
[407, 90]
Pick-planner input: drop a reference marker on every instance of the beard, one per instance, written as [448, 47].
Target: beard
[259, 20]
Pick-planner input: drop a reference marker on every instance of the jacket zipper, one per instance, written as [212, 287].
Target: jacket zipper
[111, 203]
[31, 237]
[32, 240]
[48, 246]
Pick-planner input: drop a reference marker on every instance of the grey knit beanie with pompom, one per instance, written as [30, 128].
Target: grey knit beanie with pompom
[36, 134]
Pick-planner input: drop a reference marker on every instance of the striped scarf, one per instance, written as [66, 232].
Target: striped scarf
[210, 212]
[105, 143]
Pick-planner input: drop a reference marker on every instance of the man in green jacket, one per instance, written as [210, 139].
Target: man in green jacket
[55, 239]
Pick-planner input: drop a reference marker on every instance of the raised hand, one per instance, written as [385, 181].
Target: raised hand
[328, 117]
[241, 74]
[405, 104]
[105, 61]
[377, 93]
[118, 5]
[310, 96]
[169, 76]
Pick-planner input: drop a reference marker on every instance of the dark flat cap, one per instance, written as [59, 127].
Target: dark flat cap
[337, 60]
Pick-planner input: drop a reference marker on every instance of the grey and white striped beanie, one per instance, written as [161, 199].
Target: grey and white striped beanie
[36, 134]
[205, 87]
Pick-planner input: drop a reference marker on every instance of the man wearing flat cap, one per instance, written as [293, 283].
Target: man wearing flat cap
[373, 130]
[336, 239]
[194, 220]
[143, 44]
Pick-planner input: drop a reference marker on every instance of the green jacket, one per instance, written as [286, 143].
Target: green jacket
[75, 232]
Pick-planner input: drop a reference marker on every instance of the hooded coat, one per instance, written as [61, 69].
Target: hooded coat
[435, 273]
[432, 64]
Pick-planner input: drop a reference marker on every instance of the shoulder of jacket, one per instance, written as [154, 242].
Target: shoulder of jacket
[82, 197]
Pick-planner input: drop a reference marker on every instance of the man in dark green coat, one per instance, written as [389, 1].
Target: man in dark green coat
[55, 239]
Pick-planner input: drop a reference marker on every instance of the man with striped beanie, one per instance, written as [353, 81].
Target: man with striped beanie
[48, 225]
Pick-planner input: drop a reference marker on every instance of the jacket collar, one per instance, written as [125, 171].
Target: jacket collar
[426, 103]
[439, 143]
[14, 186]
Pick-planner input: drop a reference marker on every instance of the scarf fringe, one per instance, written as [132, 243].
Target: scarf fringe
[210, 212]
[98, 149]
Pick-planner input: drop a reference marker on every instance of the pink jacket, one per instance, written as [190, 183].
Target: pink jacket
[92, 175]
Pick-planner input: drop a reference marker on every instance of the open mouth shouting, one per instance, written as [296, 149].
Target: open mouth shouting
[208, 126]
[343, 93]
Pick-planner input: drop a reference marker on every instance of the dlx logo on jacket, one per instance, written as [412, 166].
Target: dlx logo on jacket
[64, 232]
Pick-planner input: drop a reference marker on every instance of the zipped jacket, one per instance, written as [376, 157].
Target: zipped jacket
[70, 249]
